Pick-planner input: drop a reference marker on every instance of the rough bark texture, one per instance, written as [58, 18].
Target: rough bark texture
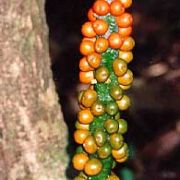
[32, 130]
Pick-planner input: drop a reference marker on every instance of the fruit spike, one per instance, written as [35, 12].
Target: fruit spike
[107, 49]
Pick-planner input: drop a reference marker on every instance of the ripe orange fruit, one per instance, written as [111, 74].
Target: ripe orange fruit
[126, 79]
[93, 167]
[124, 32]
[101, 45]
[90, 145]
[120, 153]
[94, 60]
[124, 20]
[85, 116]
[126, 56]
[84, 66]
[79, 160]
[80, 135]
[101, 7]
[100, 26]
[126, 3]
[86, 77]
[87, 30]
[86, 47]
[115, 41]
[91, 15]
[117, 8]
[128, 44]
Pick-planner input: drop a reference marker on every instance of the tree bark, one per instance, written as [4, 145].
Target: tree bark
[33, 134]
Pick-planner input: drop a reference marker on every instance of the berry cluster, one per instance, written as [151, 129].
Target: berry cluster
[107, 49]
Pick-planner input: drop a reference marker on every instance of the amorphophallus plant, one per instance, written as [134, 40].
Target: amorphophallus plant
[107, 50]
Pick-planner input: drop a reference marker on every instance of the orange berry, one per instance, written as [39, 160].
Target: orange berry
[83, 65]
[113, 177]
[120, 153]
[93, 167]
[126, 3]
[78, 125]
[101, 45]
[100, 26]
[126, 56]
[87, 30]
[128, 44]
[124, 32]
[115, 41]
[85, 116]
[94, 60]
[124, 20]
[116, 8]
[91, 15]
[86, 77]
[126, 79]
[79, 160]
[90, 145]
[89, 39]
[101, 7]
[86, 47]
[80, 135]
[123, 159]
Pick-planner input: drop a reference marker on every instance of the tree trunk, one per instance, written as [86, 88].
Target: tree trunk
[32, 130]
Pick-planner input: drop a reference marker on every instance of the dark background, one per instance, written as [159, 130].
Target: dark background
[154, 118]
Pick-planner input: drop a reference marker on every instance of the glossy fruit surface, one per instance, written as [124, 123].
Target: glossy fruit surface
[116, 140]
[79, 160]
[85, 116]
[125, 87]
[100, 137]
[91, 15]
[87, 30]
[112, 108]
[126, 79]
[101, 7]
[128, 44]
[125, 32]
[120, 67]
[113, 177]
[122, 126]
[126, 56]
[102, 74]
[97, 108]
[80, 94]
[116, 8]
[101, 45]
[94, 60]
[111, 126]
[118, 154]
[123, 159]
[115, 41]
[86, 47]
[104, 151]
[84, 65]
[90, 145]
[124, 103]
[80, 136]
[81, 126]
[116, 92]
[86, 77]
[93, 167]
[125, 20]
[100, 26]
[89, 97]
[126, 3]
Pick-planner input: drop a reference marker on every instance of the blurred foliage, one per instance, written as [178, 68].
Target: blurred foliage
[154, 118]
